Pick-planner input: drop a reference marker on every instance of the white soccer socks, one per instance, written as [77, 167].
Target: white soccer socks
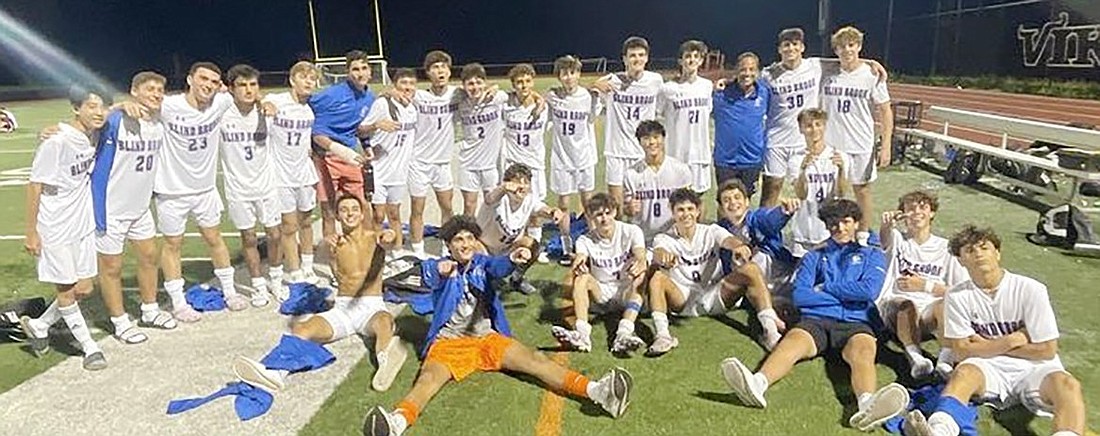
[919, 366]
[75, 321]
[767, 318]
[180, 309]
[945, 362]
[660, 324]
[233, 300]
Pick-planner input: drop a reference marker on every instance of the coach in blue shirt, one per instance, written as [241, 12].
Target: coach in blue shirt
[739, 133]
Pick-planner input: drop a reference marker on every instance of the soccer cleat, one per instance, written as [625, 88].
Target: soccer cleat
[885, 403]
[390, 361]
[743, 382]
[572, 339]
[256, 374]
[40, 346]
[187, 314]
[566, 259]
[379, 422]
[626, 343]
[95, 361]
[543, 257]
[613, 393]
[236, 302]
[915, 424]
[662, 344]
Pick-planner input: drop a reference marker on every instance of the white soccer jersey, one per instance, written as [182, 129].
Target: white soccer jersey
[524, 136]
[188, 162]
[793, 92]
[609, 259]
[931, 260]
[697, 259]
[821, 179]
[501, 224]
[392, 150]
[686, 108]
[130, 184]
[246, 160]
[1019, 303]
[653, 187]
[572, 119]
[63, 165]
[851, 98]
[435, 128]
[482, 132]
[631, 102]
[290, 134]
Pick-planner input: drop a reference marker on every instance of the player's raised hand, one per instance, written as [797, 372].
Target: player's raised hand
[489, 94]
[132, 109]
[387, 237]
[33, 244]
[334, 239]
[447, 268]
[510, 186]
[742, 253]
[892, 217]
[520, 255]
[664, 258]
[49, 132]
[910, 283]
[268, 108]
[603, 86]
[790, 205]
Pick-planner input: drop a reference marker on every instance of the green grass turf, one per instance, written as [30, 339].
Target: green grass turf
[680, 393]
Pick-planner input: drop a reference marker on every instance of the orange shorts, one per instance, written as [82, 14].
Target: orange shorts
[463, 356]
[338, 177]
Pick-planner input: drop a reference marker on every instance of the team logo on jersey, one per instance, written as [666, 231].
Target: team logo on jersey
[857, 259]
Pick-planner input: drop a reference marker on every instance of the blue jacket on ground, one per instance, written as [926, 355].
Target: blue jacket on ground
[839, 282]
[765, 228]
[739, 132]
[447, 292]
[338, 110]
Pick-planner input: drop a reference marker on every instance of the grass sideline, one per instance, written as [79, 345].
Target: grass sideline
[678, 392]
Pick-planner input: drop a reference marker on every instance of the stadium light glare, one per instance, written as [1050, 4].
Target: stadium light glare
[43, 58]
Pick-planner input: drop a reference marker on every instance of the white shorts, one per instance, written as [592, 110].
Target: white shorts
[925, 312]
[700, 177]
[297, 198]
[118, 231]
[245, 214]
[783, 162]
[1010, 381]
[862, 168]
[425, 175]
[65, 264]
[568, 182]
[612, 294]
[350, 315]
[478, 180]
[616, 169]
[701, 300]
[172, 211]
[389, 194]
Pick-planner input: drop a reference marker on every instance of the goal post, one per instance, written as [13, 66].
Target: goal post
[329, 52]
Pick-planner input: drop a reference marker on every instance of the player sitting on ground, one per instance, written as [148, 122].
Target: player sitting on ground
[469, 332]
[835, 289]
[649, 183]
[1002, 327]
[480, 112]
[524, 139]
[359, 254]
[608, 271]
[430, 165]
[690, 281]
[391, 127]
[821, 178]
[505, 216]
[921, 270]
[61, 226]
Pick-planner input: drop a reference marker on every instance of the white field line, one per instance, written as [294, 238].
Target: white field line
[186, 235]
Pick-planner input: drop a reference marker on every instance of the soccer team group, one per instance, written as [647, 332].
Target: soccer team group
[838, 286]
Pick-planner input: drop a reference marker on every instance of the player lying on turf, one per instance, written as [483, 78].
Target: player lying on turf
[469, 332]
[608, 274]
[835, 289]
[690, 281]
[359, 255]
[1002, 327]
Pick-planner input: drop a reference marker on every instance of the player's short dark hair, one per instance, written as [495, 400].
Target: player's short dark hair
[436, 56]
[693, 45]
[748, 55]
[456, 225]
[567, 62]
[241, 71]
[920, 196]
[78, 94]
[473, 71]
[836, 209]
[355, 55]
[684, 195]
[649, 128]
[204, 65]
[517, 171]
[970, 235]
[791, 34]
[521, 70]
[600, 201]
[811, 114]
[732, 185]
[402, 73]
[345, 197]
[146, 76]
[635, 42]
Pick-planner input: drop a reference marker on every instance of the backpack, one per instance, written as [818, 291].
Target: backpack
[1065, 227]
[11, 312]
[965, 167]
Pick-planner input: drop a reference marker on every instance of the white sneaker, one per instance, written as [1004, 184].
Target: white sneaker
[279, 289]
[743, 382]
[943, 369]
[889, 401]
[543, 257]
[916, 424]
[259, 298]
[390, 361]
[662, 344]
[379, 422]
[572, 339]
[256, 374]
[614, 390]
[921, 368]
[236, 302]
[626, 343]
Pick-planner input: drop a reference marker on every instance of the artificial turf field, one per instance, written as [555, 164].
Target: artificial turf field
[679, 393]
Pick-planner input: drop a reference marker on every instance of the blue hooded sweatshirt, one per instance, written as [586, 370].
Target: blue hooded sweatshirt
[765, 232]
[840, 282]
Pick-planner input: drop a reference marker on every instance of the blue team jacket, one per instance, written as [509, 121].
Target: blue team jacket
[101, 171]
[338, 110]
[839, 282]
[739, 134]
[447, 291]
[765, 228]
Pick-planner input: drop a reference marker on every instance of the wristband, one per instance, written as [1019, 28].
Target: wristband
[929, 286]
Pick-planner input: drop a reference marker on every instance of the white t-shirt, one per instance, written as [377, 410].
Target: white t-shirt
[130, 184]
[851, 98]
[1019, 303]
[246, 158]
[290, 137]
[435, 129]
[793, 91]
[482, 132]
[63, 165]
[653, 187]
[627, 105]
[573, 116]
[686, 108]
[821, 179]
[393, 151]
[524, 137]
[609, 259]
[189, 159]
[931, 260]
[697, 259]
[501, 224]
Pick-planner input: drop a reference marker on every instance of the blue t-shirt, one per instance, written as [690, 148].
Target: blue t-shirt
[338, 110]
[739, 132]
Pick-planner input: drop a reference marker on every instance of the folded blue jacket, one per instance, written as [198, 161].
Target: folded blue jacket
[205, 298]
